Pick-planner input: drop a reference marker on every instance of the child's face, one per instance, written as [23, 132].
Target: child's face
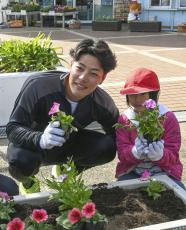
[137, 100]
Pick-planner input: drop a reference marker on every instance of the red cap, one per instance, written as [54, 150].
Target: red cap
[142, 80]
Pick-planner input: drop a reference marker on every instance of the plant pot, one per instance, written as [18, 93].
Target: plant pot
[106, 25]
[75, 26]
[182, 28]
[102, 225]
[137, 26]
[79, 227]
[15, 23]
[127, 186]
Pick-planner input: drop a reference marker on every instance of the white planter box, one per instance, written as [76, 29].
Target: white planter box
[10, 86]
[39, 198]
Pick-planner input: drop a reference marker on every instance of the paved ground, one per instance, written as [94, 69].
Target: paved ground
[164, 52]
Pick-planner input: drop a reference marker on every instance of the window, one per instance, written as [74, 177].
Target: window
[182, 3]
[160, 2]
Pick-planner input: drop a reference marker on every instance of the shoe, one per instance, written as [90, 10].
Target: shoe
[56, 171]
[35, 186]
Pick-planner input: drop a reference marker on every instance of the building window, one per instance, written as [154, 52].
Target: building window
[160, 3]
[182, 3]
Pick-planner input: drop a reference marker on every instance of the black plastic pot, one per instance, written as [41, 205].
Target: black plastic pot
[102, 225]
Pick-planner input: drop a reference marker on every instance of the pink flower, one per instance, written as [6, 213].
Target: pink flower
[89, 210]
[74, 215]
[39, 215]
[146, 175]
[4, 196]
[54, 108]
[150, 104]
[16, 224]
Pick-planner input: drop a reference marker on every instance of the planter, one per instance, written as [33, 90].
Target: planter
[131, 202]
[74, 26]
[182, 28]
[11, 84]
[15, 23]
[137, 26]
[106, 25]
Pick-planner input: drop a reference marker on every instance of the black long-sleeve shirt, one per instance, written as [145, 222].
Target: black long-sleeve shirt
[30, 116]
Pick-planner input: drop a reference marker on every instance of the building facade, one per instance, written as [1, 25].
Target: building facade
[170, 12]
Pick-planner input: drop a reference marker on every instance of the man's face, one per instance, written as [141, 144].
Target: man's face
[85, 75]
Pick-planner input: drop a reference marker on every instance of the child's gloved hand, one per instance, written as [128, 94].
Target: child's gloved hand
[156, 149]
[52, 136]
[140, 148]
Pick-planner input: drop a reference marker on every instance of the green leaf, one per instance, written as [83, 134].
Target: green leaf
[36, 54]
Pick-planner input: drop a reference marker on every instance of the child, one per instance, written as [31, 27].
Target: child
[135, 9]
[135, 155]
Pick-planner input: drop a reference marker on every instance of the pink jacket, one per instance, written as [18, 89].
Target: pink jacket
[170, 162]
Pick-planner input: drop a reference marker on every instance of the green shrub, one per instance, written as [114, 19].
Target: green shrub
[36, 54]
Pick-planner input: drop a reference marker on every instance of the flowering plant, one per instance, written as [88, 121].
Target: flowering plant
[73, 21]
[149, 122]
[37, 221]
[6, 206]
[154, 187]
[65, 120]
[76, 206]
[77, 217]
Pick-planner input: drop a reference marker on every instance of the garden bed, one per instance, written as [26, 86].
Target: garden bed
[137, 26]
[106, 25]
[126, 205]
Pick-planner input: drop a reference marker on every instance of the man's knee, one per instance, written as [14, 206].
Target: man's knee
[22, 163]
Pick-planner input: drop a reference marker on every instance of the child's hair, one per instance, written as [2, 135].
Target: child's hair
[152, 95]
[133, 6]
[98, 49]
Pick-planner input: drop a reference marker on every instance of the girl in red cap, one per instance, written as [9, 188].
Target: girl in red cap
[135, 155]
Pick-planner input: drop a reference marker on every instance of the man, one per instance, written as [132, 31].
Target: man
[35, 141]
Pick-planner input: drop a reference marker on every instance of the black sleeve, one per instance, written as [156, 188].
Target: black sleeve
[23, 136]
[109, 119]
[107, 112]
[20, 129]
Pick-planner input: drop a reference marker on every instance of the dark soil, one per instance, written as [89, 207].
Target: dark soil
[124, 209]
[133, 208]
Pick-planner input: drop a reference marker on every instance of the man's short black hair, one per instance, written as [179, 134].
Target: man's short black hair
[98, 49]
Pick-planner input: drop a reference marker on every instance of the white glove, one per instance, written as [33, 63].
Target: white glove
[156, 150]
[52, 136]
[140, 148]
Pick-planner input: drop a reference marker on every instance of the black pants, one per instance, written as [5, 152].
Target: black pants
[87, 148]
[8, 185]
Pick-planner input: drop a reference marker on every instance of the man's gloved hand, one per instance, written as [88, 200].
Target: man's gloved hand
[140, 148]
[52, 136]
[156, 149]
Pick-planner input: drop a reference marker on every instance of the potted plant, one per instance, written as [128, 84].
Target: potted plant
[149, 123]
[182, 28]
[18, 59]
[106, 23]
[74, 24]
